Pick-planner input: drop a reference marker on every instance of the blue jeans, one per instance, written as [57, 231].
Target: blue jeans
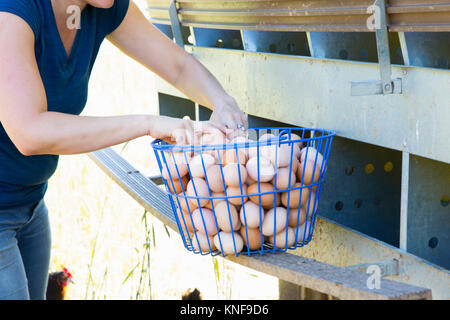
[25, 244]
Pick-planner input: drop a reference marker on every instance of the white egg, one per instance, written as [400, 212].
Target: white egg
[200, 163]
[266, 169]
[227, 216]
[204, 221]
[280, 239]
[197, 188]
[177, 166]
[226, 242]
[311, 153]
[250, 215]
[234, 174]
[274, 221]
[214, 176]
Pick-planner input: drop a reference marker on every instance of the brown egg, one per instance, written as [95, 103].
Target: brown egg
[282, 176]
[236, 191]
[177, 168]
[223, 216]
[294, 196]
[200, 163]
[274, 221]
[204, 221]
[234, 174]
[250, 215]
[296, 216]
[229, 156]
[226, 242]
[266, 169]
[306, 170]
[216, 198]
[253, 236]
[185, 203]
[214, 176]
[185, 223]
[280, 239]
[197, 188]
[266, 199]
[271, 204]
[203, 239]
[177, 184]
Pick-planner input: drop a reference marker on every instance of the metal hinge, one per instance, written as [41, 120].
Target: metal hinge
[386, 85]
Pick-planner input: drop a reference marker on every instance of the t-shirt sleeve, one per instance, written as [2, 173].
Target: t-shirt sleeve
[26, 10]
[112, 18]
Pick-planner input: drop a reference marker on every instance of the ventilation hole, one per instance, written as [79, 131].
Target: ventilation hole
[219, 43]
[291, 47]
[363, 54]
[445, 200]
[343, 54]
[369, 168]
[236, 43]
[273, 48]
[376, 201]
[339, 205]
[358, 203]
[388, 166]
[349, 170]
[433, 242]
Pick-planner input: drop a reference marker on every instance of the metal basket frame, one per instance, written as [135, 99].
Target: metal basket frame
[318, 138]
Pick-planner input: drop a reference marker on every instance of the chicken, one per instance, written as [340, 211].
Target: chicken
[57, 284]
[192, 295]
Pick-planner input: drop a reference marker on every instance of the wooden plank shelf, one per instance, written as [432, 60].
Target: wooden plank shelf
[340, 282]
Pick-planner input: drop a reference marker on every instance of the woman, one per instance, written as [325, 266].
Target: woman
[45, 64]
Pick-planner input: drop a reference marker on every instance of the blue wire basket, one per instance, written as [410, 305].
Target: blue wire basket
[250, 195]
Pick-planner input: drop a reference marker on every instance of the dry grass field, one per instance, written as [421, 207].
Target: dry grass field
[113, 249]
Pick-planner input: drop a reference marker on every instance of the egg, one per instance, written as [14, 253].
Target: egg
[224, 216]
[251, 238]
[301, 235]
[186, 224]
[226, 242]
[200, 163]
[234, 174]
[176, 165]
[250, 215]
[311, 156]
[202, 242]
[296, 216]
[266, 169]
[274, 221]
[213, 137]
[197, 188]
[277, 203]
[204, 221]
[283, 176]
[294, 196]
[236, 191]
[214, 176]
[240, 141]
[186, 205]
[294, 137]
[281, 156]
[266, 199]
[279, 240]
[311, 205]
[216, 198]
[179, 185]
[229, 156]
[306, 170]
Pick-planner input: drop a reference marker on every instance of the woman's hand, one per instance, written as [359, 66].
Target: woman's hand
[180, 131]
[229, 118]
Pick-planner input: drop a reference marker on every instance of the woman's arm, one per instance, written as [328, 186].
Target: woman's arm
[142, 41]
[34, 130]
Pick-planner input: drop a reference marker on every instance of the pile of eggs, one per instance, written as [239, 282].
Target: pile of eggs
[242, 197]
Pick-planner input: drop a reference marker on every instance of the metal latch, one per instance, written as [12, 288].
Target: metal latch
[386, 85]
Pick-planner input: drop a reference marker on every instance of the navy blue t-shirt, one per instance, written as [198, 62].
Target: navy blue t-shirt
[23, 180]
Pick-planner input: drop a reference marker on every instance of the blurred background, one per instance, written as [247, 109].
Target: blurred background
[112, 247]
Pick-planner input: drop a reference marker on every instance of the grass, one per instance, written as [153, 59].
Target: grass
[112, 247]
